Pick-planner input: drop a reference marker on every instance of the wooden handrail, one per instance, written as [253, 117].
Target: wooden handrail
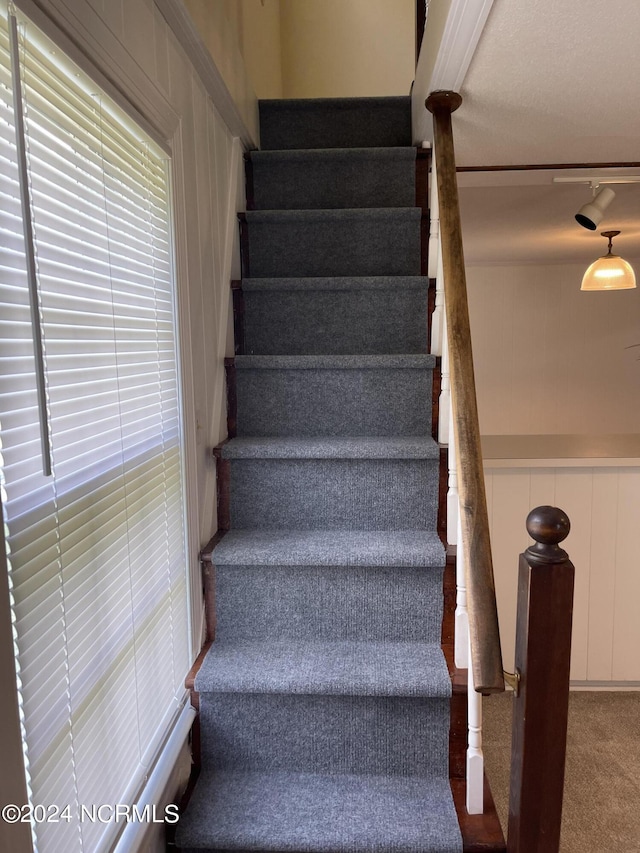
[486, 657]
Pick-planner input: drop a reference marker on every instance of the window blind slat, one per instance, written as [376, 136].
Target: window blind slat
[97, 553]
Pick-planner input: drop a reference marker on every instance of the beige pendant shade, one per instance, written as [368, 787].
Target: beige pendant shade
[610, 272]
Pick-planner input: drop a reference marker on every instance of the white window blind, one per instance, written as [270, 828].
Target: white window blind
[96, 551]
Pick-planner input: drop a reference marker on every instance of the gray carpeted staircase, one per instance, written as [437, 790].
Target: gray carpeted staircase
[324, 700]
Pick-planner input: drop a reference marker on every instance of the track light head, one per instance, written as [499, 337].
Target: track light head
[590, 214]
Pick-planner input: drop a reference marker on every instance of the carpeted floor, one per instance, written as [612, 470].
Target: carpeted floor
[602, 782]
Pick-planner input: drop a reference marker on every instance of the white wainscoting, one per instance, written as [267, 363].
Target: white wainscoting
[602, 499]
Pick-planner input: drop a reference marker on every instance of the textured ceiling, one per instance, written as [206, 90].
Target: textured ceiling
[524, 218]
[551, 82]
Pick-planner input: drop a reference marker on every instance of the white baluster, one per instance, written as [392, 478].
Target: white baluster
[444, 404]
[461, 623]
[452, 486]
[475, 757]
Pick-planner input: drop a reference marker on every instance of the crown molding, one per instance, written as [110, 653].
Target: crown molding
[465, 22]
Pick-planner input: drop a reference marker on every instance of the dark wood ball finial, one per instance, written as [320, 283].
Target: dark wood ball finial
[443, 99]
[548, 525]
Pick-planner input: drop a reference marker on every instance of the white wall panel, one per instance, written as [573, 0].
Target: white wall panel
[573, 494]
[139, 33]
[626, 630]
[602, 578]
[602, 503]
[507, 512]
[113, 15]
[161, 50]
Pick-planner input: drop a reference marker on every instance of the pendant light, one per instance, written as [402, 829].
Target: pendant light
[610, 272]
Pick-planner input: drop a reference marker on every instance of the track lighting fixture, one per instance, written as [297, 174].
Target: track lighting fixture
[610, 272]
[590, 214]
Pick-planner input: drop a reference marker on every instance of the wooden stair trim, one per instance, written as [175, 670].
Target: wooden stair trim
[209, 589]
[232, 397]
[244, 245]
[481, 833]
[443, 482]
[191, 675]
[237, 301]
[249, 184]
[423, 166]
[436, 386]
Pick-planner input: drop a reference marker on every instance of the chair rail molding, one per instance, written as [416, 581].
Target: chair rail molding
[179, 20]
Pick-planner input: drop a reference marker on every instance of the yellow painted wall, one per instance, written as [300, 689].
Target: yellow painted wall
[310, 48]
[260, 45]
[243, 37]
[219, 23]
[347, 48]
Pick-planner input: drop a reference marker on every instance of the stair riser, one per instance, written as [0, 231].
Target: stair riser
[321, 184]
[325, 734]
[328, 603]
[356, 245]
[334, 402]
[336, 494]
[334, 322]
[378, 124]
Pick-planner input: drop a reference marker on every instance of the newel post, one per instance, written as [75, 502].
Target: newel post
[542, 660]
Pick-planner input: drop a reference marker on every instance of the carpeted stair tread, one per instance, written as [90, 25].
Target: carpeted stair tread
[307, 156]
[329, 602]
[419, 447]
[315, 492]
[335, 123]
[337, 668]
[328, 734]
[320, 813]
[372, 282]
[340, 217]
[333, 178]
[343, 395]
[334, 362]
[342, 315]
[354, 242]
[397, 548]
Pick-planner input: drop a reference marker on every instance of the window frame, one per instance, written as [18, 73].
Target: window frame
[10, 737]
[81, 40]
